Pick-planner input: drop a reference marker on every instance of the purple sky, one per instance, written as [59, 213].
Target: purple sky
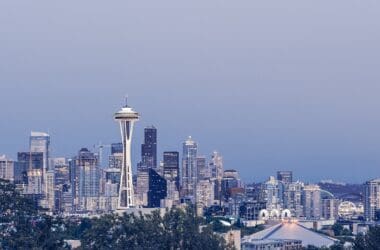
[270, 84]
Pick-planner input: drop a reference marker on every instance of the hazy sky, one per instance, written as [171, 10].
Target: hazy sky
[270, 84]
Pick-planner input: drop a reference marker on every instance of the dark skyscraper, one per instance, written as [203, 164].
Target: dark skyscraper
[157, 189]
[285, 176]
[149, 148]
[171, 167]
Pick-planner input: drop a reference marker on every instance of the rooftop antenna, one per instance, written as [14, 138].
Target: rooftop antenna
[126, 101]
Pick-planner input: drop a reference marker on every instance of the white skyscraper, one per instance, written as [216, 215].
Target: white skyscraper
[371, 199]
[126, 117]
[189, 168]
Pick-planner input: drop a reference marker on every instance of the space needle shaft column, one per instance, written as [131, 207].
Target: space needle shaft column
[126, 117]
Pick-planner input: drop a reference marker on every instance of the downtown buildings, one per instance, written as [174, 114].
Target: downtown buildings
[83, 183]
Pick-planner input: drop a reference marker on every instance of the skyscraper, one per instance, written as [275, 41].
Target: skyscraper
[292, 198]
[189, 168]
[157, 188]
[216, 166]
[86, 179]
[216, 172]
[149, 148]
[202, 168]
[272, 193]
[372, 200]
[126, 117]
[311, 201]
[142, 187]
[171, 167]
[285, 176]
[171, 175]
[40, 143]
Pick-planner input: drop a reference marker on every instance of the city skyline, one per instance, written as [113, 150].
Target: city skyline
[271, 86]
[138, 155]
[190, 124]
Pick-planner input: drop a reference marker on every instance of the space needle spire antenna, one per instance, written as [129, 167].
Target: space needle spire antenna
[126, 101]
[126, 118]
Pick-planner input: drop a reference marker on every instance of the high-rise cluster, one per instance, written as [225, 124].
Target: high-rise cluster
[88, 182]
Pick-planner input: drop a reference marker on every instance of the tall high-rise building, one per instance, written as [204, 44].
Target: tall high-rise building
[171, 167]
[149, 148]
[329, 208]
[49, 199]
[157, 188]
[311, 201]
[272, 193]
[216, 166]
[62, 186]
[85, 179]
[189, 168]
[86, 182]
[202, 168]
[171, 175]
[216, 172]
[142, 187]
[292, 198]
[126, 117]
[372, 200]
[285, 176]
[40, 143]
[6, 168]
[115, 160]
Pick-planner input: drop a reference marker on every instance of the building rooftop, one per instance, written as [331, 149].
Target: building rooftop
[33, 133]
[292, 231]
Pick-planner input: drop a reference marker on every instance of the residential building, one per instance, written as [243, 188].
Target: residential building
[372, 200]
[293, 198]
[6, 168]
[311, 201]
[272, 192]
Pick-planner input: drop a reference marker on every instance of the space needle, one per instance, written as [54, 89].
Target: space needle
[126, 117]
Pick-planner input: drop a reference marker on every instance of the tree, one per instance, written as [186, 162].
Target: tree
[177, 229]
[22, 227]
[369, 241]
